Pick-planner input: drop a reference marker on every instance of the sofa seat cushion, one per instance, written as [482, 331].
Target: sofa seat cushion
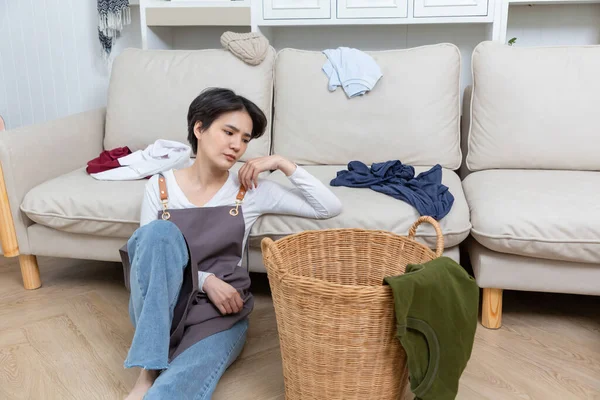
[77, 203]
[368, 209]
[546, 214]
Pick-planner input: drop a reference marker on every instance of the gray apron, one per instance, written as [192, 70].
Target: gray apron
[214, 237]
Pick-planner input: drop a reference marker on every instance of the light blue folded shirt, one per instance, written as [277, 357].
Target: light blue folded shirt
[355, 71]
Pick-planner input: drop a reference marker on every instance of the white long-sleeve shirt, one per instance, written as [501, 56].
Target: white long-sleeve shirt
[309, 198]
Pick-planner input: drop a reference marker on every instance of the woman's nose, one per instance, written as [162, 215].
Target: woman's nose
[235, 144]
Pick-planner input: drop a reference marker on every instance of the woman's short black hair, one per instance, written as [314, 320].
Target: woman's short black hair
[214, 102]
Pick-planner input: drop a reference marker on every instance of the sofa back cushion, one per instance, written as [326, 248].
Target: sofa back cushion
[150, 92]
[412, 114]
[535, 108]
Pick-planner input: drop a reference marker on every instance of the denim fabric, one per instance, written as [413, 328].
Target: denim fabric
[194, 374]
[158, 255]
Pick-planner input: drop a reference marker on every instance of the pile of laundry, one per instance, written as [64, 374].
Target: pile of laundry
[121, 164]
[425, 191]
[355, 71]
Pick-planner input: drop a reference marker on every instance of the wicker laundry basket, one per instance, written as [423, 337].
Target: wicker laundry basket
[335, 318]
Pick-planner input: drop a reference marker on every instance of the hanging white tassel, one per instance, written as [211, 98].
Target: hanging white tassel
[111, 23]
[113, 15]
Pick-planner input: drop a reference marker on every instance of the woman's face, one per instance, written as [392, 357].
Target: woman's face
[226, 140]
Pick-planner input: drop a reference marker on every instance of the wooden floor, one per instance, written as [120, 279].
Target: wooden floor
[68, 340]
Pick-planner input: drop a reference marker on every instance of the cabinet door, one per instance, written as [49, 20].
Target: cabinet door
[450, 8]
[372, 8]
[296, 9]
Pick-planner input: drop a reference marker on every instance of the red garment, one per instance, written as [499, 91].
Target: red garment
[108, 159]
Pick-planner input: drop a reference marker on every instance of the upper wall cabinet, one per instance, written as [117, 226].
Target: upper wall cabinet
[371, 12]
[450, 8]
[296, 9]
[372, 8]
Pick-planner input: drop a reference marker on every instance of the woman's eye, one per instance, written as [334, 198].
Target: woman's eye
[246, 141]
[228, 133]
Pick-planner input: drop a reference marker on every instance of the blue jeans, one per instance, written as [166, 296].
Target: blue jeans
[159, 256]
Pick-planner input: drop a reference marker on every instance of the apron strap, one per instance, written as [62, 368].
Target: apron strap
[238, 201]
[164, 196]
[162, 187]
[241, 193]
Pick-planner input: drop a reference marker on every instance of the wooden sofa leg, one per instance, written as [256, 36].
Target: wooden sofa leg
[491, 309]
[8, 240]
[30, 271]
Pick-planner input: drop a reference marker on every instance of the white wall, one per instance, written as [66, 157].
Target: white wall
[209, 37]
[50, 59]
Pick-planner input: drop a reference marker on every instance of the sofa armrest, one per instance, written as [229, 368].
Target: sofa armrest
[35, 154]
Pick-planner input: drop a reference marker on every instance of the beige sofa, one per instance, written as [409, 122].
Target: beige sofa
[53, 208]
[532, 133]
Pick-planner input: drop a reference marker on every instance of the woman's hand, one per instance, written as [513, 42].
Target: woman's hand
[223, 295]
[248, 174]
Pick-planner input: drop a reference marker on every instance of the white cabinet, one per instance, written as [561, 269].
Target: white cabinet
[371, 12]
[296, 9]
[372, 8]
[450, 8]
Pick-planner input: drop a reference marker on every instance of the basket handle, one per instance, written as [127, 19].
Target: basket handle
[439, 248]
[270, 250]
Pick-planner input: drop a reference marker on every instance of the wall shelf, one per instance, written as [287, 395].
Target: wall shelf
[501, 21]
[547, 2]
[375, 21]
[196, 4]
[197, 13]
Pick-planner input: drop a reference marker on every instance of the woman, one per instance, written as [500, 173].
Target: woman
[190, 297]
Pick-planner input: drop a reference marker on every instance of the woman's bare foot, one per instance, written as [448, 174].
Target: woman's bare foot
[143, 384]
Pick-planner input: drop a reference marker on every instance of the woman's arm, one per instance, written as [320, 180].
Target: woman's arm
[309, 198]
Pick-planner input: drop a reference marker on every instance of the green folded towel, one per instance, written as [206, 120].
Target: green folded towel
[436, 306]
